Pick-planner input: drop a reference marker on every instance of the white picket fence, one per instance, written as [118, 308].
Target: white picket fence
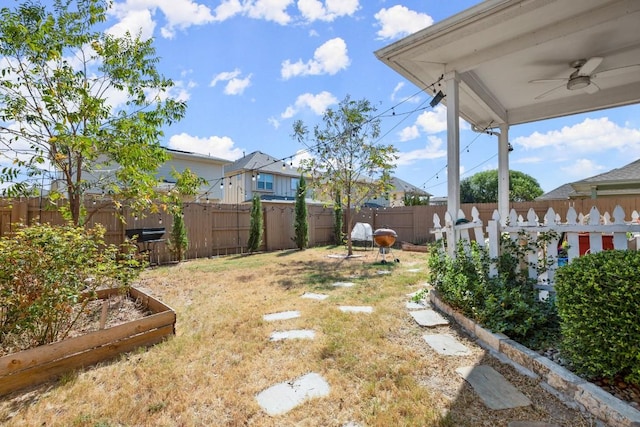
[584, 234]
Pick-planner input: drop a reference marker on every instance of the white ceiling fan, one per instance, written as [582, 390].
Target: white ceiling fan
[584, 75]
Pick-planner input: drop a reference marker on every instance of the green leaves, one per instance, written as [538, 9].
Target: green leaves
[346, 158]
[44, 270]
[507, 303]
[73, 95]
[598, 299]
[483, 187]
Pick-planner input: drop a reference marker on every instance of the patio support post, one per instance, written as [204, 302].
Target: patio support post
[453, 144]
[503, 173]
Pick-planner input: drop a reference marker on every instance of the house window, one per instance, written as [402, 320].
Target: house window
[265, 182]
[294, 184]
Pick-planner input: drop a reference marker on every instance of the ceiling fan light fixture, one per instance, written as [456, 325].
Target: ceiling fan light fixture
[578, 82]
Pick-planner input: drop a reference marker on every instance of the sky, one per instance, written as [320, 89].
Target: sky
[248, 69]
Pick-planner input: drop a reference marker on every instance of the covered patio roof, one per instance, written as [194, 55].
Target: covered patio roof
[500, 49]
[507, 62]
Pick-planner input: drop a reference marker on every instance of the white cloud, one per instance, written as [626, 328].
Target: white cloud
[432, 150]
[179, 14]
[227, 9]
[589, 136]
[315, 10]
[235, 85]
[215, 146]
[274, 122]
[316, 103]
[329, 58]
[582, 168]
[269, 10]
[409, 133]
[396, 90]
[429, 122]
[398, 21]
[134, 22]
[433, 121]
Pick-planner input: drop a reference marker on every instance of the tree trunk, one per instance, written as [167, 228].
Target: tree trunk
[348, 228]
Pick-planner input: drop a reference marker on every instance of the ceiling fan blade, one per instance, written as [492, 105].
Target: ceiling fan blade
[547, 80]
[592, 88]
[617, 71]
[590, 66]
[549, 92]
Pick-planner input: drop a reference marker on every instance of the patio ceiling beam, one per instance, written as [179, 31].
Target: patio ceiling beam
[485, 98]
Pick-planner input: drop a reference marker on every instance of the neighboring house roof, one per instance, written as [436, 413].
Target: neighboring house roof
[186, 154]
[561, 193]
[621, 181]
[259, 161]
[404, 186]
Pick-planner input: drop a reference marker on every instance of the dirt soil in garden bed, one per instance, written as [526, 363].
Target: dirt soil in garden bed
[120, 309]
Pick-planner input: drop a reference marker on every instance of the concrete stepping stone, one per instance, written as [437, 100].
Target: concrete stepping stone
[446, 345]
[492, 388]
[381, 272]
[311, 295]
[428, 318]
[356, 309]
[414, 270]
[304, 334]
[415, 306]
[283, 315]
[285, 396]
[343, 284]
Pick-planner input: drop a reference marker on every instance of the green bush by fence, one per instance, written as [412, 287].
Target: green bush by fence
[598, 298]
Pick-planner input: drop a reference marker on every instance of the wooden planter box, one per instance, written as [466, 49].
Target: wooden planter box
[37, 365]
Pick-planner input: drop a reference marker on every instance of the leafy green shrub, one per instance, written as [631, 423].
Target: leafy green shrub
[255, 227]
[178, 242]
[598, 297]
[45, 271]
[507, 303]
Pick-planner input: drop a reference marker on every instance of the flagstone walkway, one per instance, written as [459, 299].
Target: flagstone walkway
[491, 387]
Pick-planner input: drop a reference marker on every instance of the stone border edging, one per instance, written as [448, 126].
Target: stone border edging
[557, 380]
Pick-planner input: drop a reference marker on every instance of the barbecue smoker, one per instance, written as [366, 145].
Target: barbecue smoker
[385, 238]
[146, 239]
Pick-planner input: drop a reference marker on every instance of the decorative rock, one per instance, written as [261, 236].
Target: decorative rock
[285, 396]
[415, 306]
[446, 345]
[428, 318]
[344, 284]
[284, 315]
[492, 388]
[293, 334]
[319, 297]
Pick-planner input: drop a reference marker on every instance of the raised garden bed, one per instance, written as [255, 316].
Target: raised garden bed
[44, 363]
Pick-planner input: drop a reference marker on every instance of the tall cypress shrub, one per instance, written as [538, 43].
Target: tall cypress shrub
[301, 225]
[255, 229]
[337, 215]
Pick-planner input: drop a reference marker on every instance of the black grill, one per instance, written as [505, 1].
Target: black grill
[143, 235]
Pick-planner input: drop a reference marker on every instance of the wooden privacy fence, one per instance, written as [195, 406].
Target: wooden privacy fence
[589, 233]
[220, 229]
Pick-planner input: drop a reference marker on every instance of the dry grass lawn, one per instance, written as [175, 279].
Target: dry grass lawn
[380, 370]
